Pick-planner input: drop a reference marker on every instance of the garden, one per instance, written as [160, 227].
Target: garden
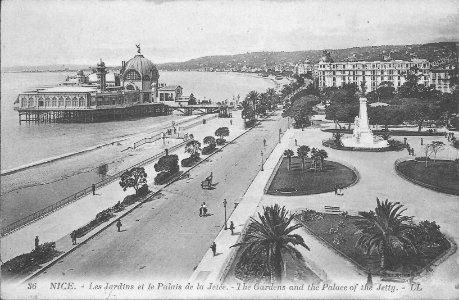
[283, 262]
[440, 175]
[413, 246]
[300, 175]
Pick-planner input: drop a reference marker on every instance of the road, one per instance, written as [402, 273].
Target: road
[165, 238]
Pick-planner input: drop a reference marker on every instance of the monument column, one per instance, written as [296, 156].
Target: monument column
[363, 115]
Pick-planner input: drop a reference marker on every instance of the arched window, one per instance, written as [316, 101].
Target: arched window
[61, 101]
[68, 102]
[74, 102]
[40, 101]
[47, 102]
[82, 102]
[54, 102]
[132, 75]
[23, 102]
[31, 102]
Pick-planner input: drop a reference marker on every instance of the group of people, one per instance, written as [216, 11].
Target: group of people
[410, 149]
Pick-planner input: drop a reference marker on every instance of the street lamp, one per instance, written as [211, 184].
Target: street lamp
[224, 205]
[262, 160]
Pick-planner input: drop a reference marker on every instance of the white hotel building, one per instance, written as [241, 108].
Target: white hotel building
[335, 74]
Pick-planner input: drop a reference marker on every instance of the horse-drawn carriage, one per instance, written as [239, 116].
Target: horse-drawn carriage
[207, 183]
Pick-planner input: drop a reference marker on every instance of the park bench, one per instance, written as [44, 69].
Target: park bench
[332, 209]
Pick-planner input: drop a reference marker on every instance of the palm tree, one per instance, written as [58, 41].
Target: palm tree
[385, 231]
[315, 158]
[289, 153]
[322, 155]
[302, 152]
[269, 237]
[253, 97]
[271, 93]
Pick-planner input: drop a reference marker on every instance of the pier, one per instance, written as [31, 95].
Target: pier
[91, 115]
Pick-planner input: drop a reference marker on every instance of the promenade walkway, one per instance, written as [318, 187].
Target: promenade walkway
[377, 179]
[58, 225]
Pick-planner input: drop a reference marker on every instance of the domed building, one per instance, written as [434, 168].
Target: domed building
[139, 73]
[326, 58]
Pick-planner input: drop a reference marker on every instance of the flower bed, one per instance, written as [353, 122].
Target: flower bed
[306, 182]
[340, 233]
[190, 161]
[27, 263]
[392, 132]
[394, 145]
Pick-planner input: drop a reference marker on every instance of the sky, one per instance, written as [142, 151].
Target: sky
[46, 32]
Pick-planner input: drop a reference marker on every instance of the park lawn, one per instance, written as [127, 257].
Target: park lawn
[307, 182]
[347, 245]
[442, 174]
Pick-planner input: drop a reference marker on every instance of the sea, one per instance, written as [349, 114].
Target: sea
[29, 143]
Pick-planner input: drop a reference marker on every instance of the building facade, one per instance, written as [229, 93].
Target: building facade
[335, 74]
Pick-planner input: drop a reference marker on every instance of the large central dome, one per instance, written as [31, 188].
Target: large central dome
[144, 68]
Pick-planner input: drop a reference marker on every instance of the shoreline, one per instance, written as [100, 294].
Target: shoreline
[160, 126]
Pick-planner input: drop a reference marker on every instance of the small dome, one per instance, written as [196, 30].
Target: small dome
[326, 58]
[140, 68]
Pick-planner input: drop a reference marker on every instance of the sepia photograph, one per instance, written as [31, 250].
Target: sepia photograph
[229, 149]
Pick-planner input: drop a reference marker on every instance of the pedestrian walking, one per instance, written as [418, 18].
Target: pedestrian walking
[93, 189]
[296, 142]
[340, 190]
[231, 122]
[73, 236]
[336, 189]
[37, 242]
[231, 227]
[214, 248]
[422, 141]
[412, 151]
[264, 142]
[404, 140]
[204, 208]
[118, 225]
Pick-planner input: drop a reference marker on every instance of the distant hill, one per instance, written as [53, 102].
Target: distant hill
[51, 68]
[431, 52]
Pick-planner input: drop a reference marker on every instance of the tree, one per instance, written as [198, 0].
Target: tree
[434, 148]
[133, 178]
[337, 138]
[270, 237]
[318, 156]
[209, 140]
[253, 98]
[222, 132]
[193, 148]
[385, 230]
[248, 112]
[168, 164]
[302, 152]
[386, 115]
[419, 112]
[289, 153]
[192, 100]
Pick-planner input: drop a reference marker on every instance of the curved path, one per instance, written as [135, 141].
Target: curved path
[379, 179]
